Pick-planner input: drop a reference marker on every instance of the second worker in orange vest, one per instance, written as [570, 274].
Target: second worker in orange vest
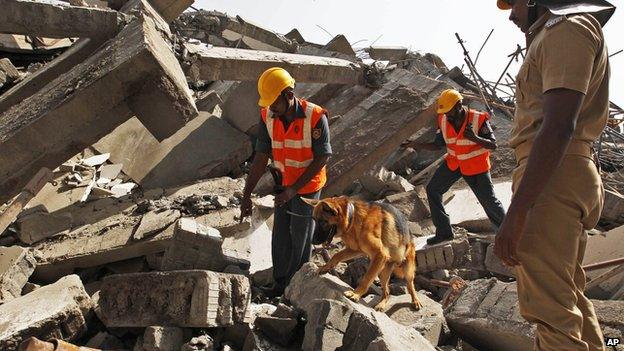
[295, 134]
[468, 138]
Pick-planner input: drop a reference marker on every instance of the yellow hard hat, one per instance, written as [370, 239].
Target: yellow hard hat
[271, 84]
[448, 99]
[503, 5]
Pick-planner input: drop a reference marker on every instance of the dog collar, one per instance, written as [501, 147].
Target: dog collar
[350, 212]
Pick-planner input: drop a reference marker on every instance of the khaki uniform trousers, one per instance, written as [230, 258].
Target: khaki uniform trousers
[550, 278]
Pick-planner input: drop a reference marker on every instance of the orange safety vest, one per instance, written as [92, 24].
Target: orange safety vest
[292, 148]
[470, 157]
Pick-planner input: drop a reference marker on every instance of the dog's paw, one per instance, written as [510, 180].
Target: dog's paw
[380, 306]
[352, 295]
[417, 305]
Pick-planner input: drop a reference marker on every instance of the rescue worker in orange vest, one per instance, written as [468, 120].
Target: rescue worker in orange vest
[468, 138]
[295, 134]
[562, 107]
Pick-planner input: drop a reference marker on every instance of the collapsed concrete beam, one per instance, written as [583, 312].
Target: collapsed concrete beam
[219, 63]
[61, 21]
[55, 311]
[134, 73]
[195, 298]
[16, 266]
[486, 314]
[401, 107]
[168, 9]
[389, 53]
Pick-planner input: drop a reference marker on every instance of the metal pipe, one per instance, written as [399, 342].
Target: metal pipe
[599, 265]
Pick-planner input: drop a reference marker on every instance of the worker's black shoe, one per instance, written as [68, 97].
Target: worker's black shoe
[272, 291]
[438, 239]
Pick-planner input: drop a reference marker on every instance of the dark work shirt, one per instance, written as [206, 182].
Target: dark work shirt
[320, 146]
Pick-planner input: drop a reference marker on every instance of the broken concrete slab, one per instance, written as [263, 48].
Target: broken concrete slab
[38, 226]
[487, 314]
[413, 204]
[339, 43]
[412, 98]
[105, 341]
[371, 330]
[613, 209]
[113, 244]
[8, 73]
[199, 343]
[16, 266]
[154, 222]
[281, 330]
[167, 9]
[387, 53]
[495, 265]
[158, 338]
[428, 321]
[195, 298]
[158, 94]
[220, 63]
[465, 210]
[177, 160]
[603, 247]
[195, 246]
[62, 20]
[380, 181]
[241, 109]
[295, 35]
[327, 322]
[256, 341]
[55, 311]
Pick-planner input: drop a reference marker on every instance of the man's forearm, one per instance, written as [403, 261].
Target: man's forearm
[486, 143]
[258, 166]
[313, 169]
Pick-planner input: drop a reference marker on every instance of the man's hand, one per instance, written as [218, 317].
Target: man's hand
[508, 237]
[245, 208]
[469, 133]
[285, 196]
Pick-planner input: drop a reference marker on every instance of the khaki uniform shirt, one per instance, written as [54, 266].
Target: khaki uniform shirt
[563, 52]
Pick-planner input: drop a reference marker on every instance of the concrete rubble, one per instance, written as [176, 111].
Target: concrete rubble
[145, 111]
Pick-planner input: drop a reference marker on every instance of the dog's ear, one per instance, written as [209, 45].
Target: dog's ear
[311, 202]
[329, 209]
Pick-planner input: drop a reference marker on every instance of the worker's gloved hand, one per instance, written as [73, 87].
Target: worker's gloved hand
[245, 207]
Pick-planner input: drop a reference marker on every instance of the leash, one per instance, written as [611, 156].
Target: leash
[298, 215]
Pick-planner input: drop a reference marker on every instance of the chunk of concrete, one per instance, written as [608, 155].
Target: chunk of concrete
[195, 298]
[199, 343]
[413, 204]
[56, 311]
[613, 209]
[195, 246]
[382, 181]
[105, 341]
[278, 329]
[16, 266]
[486, 314]
[295, 35]
[8, 73]
[62, 20]
[412, 98]
[158, 93]
[387, 53]
[604, 247]
[39, 226]
[256, 341]
[184, 157]
[114, 244]
[241, 109]
[167, 9]
[221, 63]
[327, 322]
[339, 43]
[465, 210]
[154, 222]
[428, 321]
[158, 338]
[495, 265]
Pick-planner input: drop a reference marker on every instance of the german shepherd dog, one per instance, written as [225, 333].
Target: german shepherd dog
[376, 230]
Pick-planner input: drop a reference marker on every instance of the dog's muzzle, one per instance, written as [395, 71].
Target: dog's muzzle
[323, 232]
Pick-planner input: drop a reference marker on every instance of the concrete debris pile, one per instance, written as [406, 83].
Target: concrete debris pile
[126, 131]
